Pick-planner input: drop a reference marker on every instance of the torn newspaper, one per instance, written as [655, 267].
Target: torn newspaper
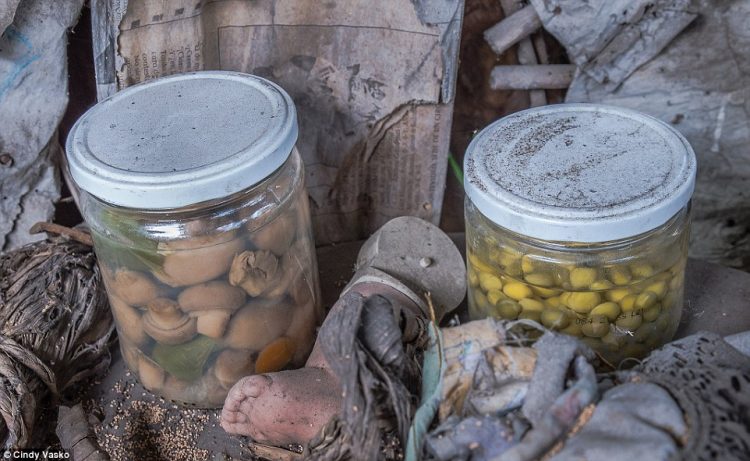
[373, 84]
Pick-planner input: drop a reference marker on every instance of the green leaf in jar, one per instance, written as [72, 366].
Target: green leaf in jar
[185, 361]
[129, 248]
[116, 254]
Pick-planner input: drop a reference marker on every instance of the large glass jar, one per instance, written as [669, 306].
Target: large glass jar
[577, 217]
[195, 197]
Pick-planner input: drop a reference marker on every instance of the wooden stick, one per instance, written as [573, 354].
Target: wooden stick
[76, 435]
[539, 77]
[543, 57]
[526, 53]
[274, 453]
[52, 228]
[512, 29]
[541, 48]
[527, 56]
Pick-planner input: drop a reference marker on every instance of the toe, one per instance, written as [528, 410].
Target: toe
[238, 406]
[250, 387]
[233, 417]
[234, 422]
[254, 386]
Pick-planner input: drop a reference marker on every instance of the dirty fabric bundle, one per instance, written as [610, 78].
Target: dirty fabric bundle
[55, 331]
[379, 375]
[687, 400]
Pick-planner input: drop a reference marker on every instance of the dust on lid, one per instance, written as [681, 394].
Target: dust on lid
[579, 173]
[181, 140]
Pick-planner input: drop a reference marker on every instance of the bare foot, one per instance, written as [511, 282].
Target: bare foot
[284, 407]
[293, 406]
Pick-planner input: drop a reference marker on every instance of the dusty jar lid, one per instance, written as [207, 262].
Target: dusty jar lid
[579, 172]
[181, 140]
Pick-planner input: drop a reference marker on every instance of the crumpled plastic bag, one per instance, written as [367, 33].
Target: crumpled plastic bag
[609, 39]
[33, 97]
[686, 62]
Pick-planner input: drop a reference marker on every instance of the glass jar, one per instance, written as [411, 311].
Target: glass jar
[195, 197]
[577, 217]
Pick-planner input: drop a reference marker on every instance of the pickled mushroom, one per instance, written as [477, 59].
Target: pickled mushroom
[290, 270]
[302, 330]
[211, 389]
[135, 288]
[151, 375]
[197, 260]
[276, 236]
[129, 321]
[211, 295]
[212, 304]
[233, 364]
[300, 290]
[130, 353]
[175, 388]
[257, 324]
[167, 324]
[212, 323]
[255, 271]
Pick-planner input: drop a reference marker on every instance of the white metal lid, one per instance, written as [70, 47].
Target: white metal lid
[579, 172]
[181, 140]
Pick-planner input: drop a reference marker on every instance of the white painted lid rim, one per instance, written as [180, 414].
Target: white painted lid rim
[583, 225]
[235, 172]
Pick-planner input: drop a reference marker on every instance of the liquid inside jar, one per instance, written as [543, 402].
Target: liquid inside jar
[622, 298]
[196, 314]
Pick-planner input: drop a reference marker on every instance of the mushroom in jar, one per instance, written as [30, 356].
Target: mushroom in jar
[294, 264]
[277, 235]
[257, 324]
[176, 389]
[291, 269]
[151, 375]
[255, 271]
[134, 288]
[211, 295]
[212, 304]
[211, 390]
[302, 330]
[167, 324]
[128, 320]
[130, 353]
[233, 364]
[300, 289]
[197, 260]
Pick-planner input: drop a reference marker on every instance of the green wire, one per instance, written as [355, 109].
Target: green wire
[456, 169]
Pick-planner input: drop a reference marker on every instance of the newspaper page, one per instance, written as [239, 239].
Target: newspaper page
[372, 81]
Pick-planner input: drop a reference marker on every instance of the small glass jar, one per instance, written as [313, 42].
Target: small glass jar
[577, 217]
[195, 197]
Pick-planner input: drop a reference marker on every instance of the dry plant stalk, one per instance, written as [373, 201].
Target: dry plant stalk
[76, 435]
[55, 328]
